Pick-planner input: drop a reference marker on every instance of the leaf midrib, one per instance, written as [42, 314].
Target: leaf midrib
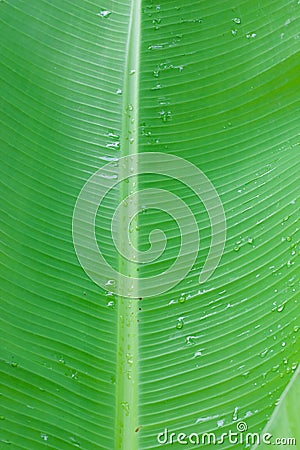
[127, 312]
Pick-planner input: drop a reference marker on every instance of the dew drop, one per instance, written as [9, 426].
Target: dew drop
[114, 145]
[180, 323]
[182, 298]
[191, 340]
[104, 14]
[235, 413]
[264, 352]
[44, 437]
[129, 358]
[125, 406]
[165, 115]
[237, 20]
[74, 442]
[155, 47]
[113, 135]
[111, 304]
[191, 20]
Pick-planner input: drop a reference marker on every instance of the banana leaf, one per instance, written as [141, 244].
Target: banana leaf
[282, 429]
[88, 88]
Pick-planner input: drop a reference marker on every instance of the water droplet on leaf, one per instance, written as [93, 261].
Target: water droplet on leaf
[191, 340]
[104, 14]
[180, 323]
[235, 413]
[182, 298]
[125, 406]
